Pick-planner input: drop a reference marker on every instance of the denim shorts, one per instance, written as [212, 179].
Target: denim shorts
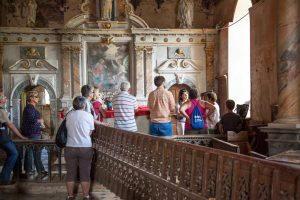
[161, 129]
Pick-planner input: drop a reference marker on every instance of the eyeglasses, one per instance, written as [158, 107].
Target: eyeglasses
[35, 97]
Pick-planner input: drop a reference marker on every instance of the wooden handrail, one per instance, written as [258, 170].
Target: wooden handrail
[139, 166]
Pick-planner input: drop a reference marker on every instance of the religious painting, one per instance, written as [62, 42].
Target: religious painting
[32, 52]
[107, 65]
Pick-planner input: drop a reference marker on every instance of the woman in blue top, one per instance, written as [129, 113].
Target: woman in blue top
[31, 128]
[6, 144]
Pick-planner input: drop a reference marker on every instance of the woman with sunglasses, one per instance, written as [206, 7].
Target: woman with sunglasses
[31, 128]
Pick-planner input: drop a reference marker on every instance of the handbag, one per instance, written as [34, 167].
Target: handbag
[62, 135]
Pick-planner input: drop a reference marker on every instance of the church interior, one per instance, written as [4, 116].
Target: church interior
[55, 47]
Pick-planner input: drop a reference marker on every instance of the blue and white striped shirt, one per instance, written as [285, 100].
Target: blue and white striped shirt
[124, 106]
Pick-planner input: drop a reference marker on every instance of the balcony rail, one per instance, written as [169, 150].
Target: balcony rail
[51, 158]
[139, 166]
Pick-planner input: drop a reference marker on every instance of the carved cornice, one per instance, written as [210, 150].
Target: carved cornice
[75, 49]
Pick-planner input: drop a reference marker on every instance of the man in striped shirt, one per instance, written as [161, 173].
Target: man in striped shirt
[125, 106]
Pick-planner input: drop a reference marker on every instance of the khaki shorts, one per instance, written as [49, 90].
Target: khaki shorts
[78, 157]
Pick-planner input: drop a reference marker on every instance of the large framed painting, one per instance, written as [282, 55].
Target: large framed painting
[107, 65]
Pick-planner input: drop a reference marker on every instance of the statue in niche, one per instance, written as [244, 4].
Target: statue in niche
[29, 12]
[106, 9]
[185, 13]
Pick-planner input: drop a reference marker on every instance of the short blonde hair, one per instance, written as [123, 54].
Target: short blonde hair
[31, 94]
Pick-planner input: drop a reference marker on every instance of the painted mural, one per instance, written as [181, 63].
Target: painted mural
[107, 65]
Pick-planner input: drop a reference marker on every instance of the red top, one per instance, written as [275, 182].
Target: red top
[97, 105]
[142, 110]
[189, 112]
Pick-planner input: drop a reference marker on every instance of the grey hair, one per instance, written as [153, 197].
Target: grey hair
[79, 103]
[125, 86]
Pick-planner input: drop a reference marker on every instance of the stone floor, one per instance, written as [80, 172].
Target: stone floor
[50, 191]
[56, 196]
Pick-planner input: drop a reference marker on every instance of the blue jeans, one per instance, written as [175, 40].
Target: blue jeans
[12, 156]
[161, 129]
[36, 155]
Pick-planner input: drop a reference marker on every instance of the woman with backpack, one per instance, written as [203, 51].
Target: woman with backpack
[194, 110]
[183, 97]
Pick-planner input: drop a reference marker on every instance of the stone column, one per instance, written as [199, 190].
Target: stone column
[1, 67]
[209, 52]
[288, 62]
[76, 52]
[284, 133]
[66, 79]
[139, 72]
[148, 70]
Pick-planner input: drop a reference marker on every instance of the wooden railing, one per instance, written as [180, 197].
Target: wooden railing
[138, 166]
[53, 160]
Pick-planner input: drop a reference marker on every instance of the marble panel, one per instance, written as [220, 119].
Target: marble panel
[288, 61]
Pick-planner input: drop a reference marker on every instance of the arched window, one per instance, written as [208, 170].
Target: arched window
[239, 54]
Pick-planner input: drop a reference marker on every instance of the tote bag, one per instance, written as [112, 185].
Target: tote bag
[62, 135]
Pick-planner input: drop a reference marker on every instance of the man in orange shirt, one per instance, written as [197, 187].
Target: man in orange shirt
[161, 103]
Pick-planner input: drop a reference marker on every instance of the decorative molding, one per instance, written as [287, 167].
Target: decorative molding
[134, 20]
[85, 6]
[78, 20]
[31, 65]
[33, 79]
[175, 65]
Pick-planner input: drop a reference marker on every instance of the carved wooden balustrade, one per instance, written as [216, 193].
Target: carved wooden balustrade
[138, 166]
[53, 154]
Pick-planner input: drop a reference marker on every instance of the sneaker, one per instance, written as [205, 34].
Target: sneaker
[70, 198]
[44, 172]
[87, 198]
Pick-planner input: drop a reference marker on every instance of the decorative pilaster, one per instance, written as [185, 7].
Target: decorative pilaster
[1, 67]
[76, 53]
[288, 62]
[209, 52]
[66, 63]
[139, 72]
[148, 70]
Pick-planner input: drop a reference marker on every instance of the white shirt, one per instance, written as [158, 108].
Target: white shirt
[79, 124]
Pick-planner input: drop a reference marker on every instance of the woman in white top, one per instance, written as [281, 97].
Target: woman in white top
[79, 152]
[214, 118]
[183, 96]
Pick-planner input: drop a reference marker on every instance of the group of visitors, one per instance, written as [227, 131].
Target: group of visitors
[89, 108]
[161, 104]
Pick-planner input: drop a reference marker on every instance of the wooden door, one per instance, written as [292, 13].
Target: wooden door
[175, 91]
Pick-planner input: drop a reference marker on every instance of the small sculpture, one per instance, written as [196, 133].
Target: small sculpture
[179, 53]
[29, 11]
[106, 9]
[33, 53]
[185, 13]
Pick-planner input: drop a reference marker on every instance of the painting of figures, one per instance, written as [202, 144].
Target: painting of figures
[107, 65]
